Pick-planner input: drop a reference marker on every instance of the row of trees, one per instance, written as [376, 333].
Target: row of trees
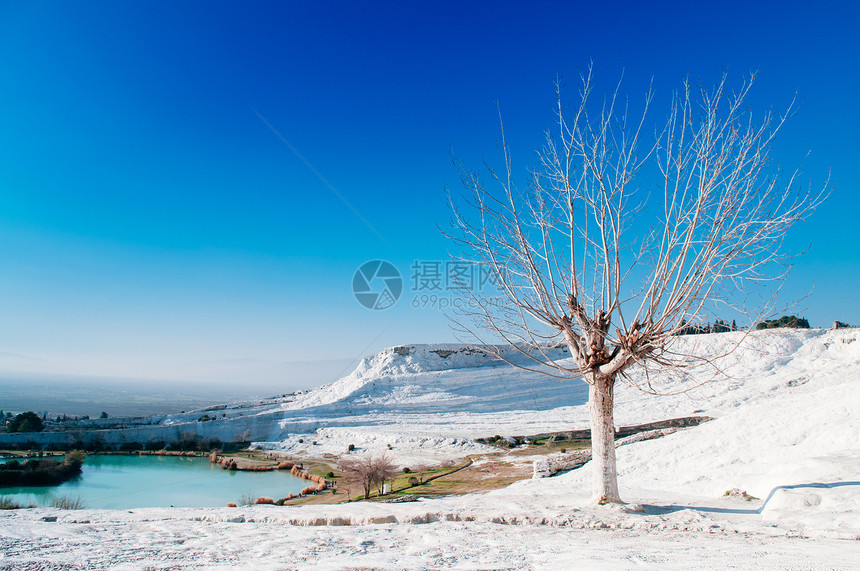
[720, 326]
[30, 421]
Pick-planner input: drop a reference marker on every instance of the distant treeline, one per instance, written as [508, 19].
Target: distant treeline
[41, 471]
[784, 321]
[31, 422]
[95, 443]
[720, 326]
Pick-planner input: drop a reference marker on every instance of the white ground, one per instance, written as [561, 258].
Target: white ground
[786, 432]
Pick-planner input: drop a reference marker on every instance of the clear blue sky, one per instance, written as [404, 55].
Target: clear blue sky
[151, 225]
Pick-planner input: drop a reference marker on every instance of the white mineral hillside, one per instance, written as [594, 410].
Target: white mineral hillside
[786, 431]
[787, 422]
[431, 401]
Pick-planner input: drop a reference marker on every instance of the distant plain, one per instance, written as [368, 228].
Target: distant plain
[79, 397]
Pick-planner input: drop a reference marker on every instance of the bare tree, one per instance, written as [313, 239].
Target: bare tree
[368, 471]
[421, 470]
[620, 239]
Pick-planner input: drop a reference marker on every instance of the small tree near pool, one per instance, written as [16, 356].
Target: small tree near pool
[368, 471]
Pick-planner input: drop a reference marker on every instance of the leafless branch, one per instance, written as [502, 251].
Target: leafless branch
[585, 255]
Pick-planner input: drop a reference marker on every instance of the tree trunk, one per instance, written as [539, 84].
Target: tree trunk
[600, 408]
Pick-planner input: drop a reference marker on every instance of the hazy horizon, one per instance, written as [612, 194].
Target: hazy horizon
[78, 395]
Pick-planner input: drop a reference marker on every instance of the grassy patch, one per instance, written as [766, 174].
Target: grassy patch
[68, 503]
[545, 447]
[490, 471]
[475, 478]
[7, 503]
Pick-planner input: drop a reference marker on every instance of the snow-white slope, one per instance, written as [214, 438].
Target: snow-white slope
[786, 431]
[411, 400]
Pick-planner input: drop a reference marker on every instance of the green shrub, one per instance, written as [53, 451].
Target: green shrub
[25, 422]
[75, 457]
[784, 321]
[41, 472]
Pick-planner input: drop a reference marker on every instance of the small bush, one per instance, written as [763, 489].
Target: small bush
[350, 448]
[406, 470]
[67, 503]
[7, 503]
[330, 476]
[75, 457]
[784, 321]
[247, 499]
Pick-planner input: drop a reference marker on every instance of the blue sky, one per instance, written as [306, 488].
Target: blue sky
[151, 225]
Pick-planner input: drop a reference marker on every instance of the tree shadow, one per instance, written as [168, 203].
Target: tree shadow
[652, 509]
